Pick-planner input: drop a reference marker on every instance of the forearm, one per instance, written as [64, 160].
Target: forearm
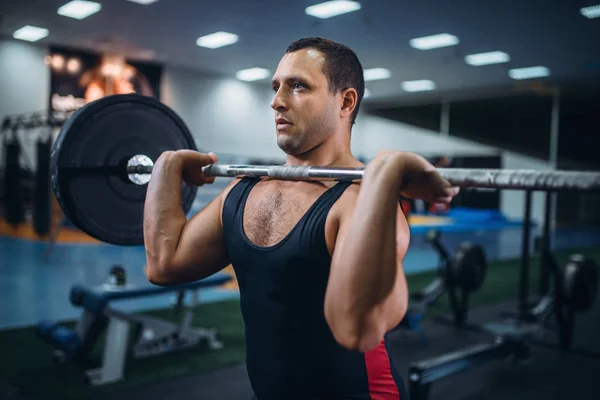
[364, 270]
[365, 267]
[164, 218]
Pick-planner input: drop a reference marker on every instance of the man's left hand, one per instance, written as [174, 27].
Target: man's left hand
[416, 177]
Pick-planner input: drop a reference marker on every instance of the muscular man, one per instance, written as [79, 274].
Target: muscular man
[319, 264]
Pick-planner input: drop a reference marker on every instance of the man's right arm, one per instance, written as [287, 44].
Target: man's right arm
[177, 250]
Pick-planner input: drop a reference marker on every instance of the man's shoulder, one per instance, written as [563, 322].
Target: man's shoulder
[346, 204]
[229, 187]
[351, 193]
[347, 200]
[222, 196]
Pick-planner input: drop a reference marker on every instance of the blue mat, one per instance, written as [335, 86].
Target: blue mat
[470, 220]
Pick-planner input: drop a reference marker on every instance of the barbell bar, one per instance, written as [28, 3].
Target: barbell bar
[463, 177]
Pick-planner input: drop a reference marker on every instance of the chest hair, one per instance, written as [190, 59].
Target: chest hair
[273, 209]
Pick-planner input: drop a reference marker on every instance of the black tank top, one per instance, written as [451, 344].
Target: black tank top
[290, 350]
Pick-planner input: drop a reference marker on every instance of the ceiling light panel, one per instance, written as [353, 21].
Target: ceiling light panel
[492, 57]
[375, 74]
[434, 41]
[252, 74]
[79, 9]
[30, 33]
[529, 72]
[591, 11]
[332, 8]
[418, 85]
[217, 39]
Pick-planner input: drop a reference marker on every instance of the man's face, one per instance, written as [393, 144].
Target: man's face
[306, 112]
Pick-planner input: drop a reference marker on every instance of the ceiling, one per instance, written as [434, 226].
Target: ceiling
[551, 33]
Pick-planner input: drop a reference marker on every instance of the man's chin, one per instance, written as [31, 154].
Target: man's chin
[288, 145]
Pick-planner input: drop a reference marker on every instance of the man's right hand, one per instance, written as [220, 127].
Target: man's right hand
[191, 163]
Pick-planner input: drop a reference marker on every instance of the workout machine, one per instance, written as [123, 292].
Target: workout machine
[101, 322]
[459, 277]
[573, 290]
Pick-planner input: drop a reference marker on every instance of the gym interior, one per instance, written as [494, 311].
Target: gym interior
[502, 282]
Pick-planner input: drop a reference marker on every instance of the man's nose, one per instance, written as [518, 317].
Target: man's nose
[279, 102]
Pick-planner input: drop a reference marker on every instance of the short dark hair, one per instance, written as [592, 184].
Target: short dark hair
[342, 66]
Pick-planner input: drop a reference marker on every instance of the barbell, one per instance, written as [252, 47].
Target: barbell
[103, 156]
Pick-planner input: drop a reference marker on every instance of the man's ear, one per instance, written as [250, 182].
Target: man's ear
[349, 101]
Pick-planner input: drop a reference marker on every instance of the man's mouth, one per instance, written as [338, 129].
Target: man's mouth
[282, 123]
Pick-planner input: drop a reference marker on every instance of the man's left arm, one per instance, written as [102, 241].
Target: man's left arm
[367, 293]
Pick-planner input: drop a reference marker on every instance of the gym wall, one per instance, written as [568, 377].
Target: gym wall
[23, 78]
[226, 116]
[24, 85]
[377, 133]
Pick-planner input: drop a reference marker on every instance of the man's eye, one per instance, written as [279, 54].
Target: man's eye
[275, 88]
[297, 85]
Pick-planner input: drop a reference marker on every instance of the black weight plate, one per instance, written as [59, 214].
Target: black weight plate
[105, 133]
[580, 282]
[470, 266]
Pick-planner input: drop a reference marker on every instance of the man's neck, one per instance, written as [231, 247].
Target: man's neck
[332, 152]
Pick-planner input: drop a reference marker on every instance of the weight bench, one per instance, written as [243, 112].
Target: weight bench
[153, 336]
